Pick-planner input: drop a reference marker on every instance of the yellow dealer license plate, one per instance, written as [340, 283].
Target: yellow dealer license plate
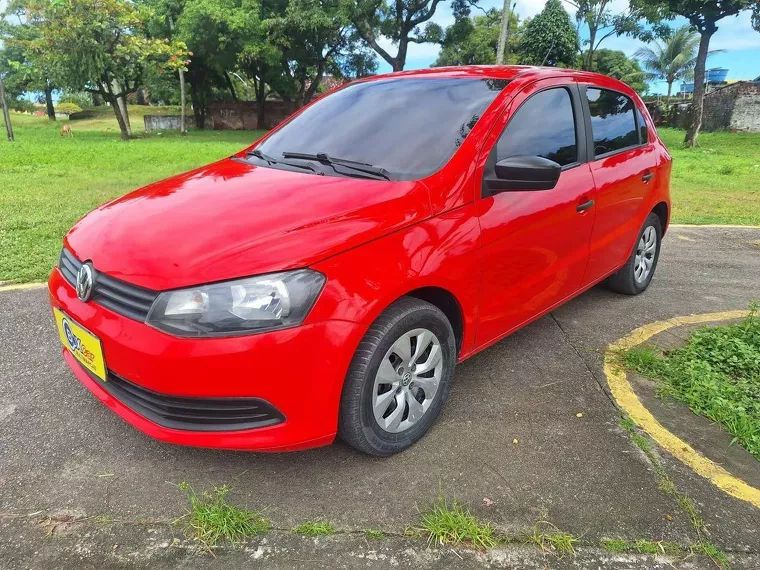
[84, 345]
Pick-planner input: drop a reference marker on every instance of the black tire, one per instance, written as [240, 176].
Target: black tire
[356, 424]
[624, 281]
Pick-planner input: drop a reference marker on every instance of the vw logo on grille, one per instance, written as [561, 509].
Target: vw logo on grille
[85, 281]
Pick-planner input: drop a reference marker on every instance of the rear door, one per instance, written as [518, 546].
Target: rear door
[623, 165]
[535, 243]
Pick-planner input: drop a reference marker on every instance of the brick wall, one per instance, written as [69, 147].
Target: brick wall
[746, 115]
[719, 106]
[167, 122]
[241, 115]
[735, 107]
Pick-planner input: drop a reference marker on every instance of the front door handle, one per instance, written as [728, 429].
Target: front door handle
[585, 206]
[647, 177]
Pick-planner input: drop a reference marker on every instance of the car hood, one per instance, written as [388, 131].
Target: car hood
[233, 219]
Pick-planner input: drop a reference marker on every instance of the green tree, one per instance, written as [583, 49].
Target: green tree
[24, 73]
[215, 32]
[602, 23]
[550, 38]
[314, 36]
[101, 46]
[616, 64]
[704, 15]
[400, 21]
[673, 59]
[474, 41]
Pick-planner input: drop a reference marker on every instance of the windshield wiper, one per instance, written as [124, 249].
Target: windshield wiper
[350, 164]
[269, 160]
[258, 154]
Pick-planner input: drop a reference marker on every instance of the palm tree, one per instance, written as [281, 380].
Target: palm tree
[674, 60]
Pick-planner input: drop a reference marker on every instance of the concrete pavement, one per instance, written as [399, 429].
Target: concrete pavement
[62, 452]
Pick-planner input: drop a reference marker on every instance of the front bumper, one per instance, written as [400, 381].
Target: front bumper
[299, 371]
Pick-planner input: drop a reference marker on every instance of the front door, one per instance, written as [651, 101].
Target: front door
[536, 243]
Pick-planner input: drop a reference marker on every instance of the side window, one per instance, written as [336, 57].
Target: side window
[612, 121]
[643, 131]
[544, 125]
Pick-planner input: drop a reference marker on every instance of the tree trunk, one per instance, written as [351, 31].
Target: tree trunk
[307, 96]
[122, 104]
[141, 99]
[125, 113]
[182, 127]
[49, 101]
[199, 110]
[588, 61]
[503, 34]
[110, 96]
[697, 104]
[97, 100]
[6, 114]
[260, 105]
[119, 118]
[230, 86]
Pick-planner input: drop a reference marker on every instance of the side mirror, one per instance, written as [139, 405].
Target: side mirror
[520, 173]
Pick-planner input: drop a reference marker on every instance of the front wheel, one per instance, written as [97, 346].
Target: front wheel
[399, 378]
[634, 277]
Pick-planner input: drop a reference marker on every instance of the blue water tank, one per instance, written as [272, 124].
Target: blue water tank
[687, 88]
[717, 75]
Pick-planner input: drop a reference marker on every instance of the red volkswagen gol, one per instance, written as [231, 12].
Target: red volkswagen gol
[326, 281]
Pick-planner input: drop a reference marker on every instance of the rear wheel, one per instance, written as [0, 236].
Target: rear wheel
[399, 378]
[634, 277]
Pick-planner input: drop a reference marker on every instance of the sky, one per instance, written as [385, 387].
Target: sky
[735, 35]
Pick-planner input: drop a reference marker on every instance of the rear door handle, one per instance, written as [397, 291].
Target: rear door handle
[585, 206]
[648, 176]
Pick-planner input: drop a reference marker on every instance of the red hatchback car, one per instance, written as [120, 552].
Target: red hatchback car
[327, 280]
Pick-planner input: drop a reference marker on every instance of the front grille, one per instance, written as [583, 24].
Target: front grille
[195, 414]
[119, 296]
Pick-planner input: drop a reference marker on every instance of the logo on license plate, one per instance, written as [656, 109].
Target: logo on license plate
[76, 343]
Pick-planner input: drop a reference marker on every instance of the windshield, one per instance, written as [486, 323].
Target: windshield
[410, 127]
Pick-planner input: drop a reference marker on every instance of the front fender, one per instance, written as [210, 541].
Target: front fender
[441, 252]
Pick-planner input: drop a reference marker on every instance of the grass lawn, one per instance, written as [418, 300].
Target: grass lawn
[717, 183]
[716, 374]
[47, 182]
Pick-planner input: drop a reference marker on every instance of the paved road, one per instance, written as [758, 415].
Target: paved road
[57, 443]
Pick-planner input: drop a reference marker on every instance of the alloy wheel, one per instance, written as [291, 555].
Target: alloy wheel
[407, 380]
[645, 254]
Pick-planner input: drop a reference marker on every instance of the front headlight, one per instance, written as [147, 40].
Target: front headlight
[243, 306]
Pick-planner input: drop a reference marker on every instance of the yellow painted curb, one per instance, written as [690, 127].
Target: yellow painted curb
[627, 399]
[17, 286]
[734, 226]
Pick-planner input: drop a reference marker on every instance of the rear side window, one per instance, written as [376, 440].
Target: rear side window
[643, 131]
[544, 125]
[613, 123]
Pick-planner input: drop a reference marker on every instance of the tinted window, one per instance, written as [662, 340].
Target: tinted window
[410, 127]
[643, 131]
[544, 125]
[612, 121]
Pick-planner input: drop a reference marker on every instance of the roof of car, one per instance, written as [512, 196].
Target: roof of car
[508, 72]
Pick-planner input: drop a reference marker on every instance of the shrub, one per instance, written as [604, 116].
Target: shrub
[67, 108]
[22, 106]
[82, 99]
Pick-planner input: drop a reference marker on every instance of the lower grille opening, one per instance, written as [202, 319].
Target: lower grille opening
[193, 414]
